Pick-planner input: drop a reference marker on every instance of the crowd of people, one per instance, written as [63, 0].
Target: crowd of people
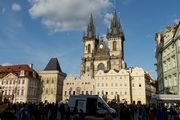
[40, 111]
[147, 112]
[49, 111]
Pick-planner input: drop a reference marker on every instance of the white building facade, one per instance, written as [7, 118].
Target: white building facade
[20, 83]
[168, 60]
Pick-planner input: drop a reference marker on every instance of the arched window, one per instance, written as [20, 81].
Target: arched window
[114, 45]
[89, 48]
[101, 66]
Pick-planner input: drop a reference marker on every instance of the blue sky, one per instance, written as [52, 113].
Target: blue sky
[33, 31]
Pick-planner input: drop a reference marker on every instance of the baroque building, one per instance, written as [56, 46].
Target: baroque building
[20, 83]
[168, 63]
[52, 79]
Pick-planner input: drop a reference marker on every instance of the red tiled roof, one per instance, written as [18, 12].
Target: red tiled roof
[16, 70]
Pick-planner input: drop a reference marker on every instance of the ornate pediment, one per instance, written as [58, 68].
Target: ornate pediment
[10, 76]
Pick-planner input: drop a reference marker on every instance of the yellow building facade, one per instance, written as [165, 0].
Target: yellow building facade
[52, 82]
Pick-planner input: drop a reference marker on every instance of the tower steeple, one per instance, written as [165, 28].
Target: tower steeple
[91, 28]
[115, 25]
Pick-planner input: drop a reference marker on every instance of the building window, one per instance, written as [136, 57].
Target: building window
[22, 73]
[114, 45]
[102, 84]
[139, 84]
[52, 81]
[6, 81]
[82, 92]
[165, 67]
[87, 93]
[132, 84]
[98, 92]
[69, 92]
[46, 91]
[125, 93]
[106, 84]
[90, 92]
[175, 80]
[47, 81]
[9, 92]
[19, 81]
[10, 82]
[111, 93]
[106, 93]
[116, 84]
[51, 90]
[22, 81]
[17, 92]
[2, 82]
[101, 66]
[22, 92]
[74, 92]
[125, 84]
[173, 61]
[65, 92]
[89, 48]
[98, 84]
[111, 84]
[169, 64]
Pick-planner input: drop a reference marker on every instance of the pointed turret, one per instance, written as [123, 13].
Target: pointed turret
[91, 28]
[115, 25]
[53, 65]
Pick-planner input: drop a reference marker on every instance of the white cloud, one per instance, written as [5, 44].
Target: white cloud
[66, 15]
[6, 64]
[108, 18]
[126, 2]
[16, 7]
[176, 21]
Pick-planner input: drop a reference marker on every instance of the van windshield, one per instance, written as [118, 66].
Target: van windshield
[102, 103]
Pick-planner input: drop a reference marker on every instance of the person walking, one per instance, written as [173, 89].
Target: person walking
[62, 111]
[25, 112]
[151, 115]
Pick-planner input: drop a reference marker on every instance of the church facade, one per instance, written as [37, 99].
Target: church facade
[104, 71]
[98, 56]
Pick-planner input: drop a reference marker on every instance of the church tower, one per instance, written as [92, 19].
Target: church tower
[116, 44]
[90, 45]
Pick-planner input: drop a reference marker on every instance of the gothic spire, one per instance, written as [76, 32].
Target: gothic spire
[91, 28]
[115, 25]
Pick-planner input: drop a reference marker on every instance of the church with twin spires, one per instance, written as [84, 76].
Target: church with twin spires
[97, 56]
[104, 71]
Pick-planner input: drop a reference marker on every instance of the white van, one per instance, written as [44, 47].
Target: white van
[91, 105]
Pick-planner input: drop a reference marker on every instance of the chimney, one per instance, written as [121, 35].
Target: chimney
[31, 66]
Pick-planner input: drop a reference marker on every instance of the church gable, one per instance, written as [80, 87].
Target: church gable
[102, 50]
[123, 72]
